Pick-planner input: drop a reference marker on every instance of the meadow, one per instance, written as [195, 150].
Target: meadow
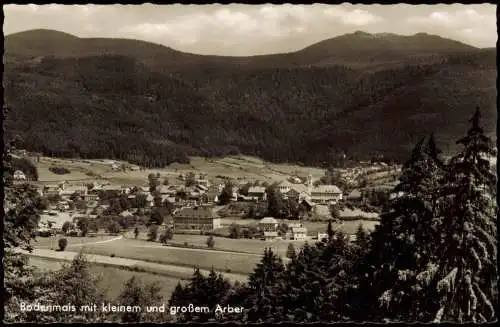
[51, 242]
[240, 168]
[154, 252]
[113, 278]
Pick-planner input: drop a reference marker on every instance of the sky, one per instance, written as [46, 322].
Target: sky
[240, 30]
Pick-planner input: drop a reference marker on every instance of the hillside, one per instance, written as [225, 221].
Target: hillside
[67, 98]
[355, 50]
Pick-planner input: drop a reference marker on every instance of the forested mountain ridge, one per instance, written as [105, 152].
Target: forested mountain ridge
[153, 105]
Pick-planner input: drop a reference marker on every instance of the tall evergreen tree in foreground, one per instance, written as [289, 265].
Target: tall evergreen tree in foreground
[403, 245]
[466, 260]
[261, 300]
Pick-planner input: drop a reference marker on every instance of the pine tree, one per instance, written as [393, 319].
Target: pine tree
[466, 271]
[362, 238]
[315, 282]
[275, 204]
[135, 293]
[402, 246]
[261, 299]
[329, 230]
[226, 194]
[290, 252]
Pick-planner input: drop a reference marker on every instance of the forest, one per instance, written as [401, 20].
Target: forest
[432, 258]
[128, 104]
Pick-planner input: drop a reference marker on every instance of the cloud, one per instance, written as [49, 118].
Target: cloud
[357, 17]
[466, 24]
[466, 18]
[249, 29]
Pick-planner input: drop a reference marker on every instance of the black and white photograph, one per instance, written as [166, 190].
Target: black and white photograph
[249, 163]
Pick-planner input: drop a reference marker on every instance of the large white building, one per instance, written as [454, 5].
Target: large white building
[196, 218]
[326, 194]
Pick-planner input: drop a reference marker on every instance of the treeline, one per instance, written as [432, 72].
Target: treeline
[111, 106]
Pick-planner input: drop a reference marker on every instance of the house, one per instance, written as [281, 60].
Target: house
[201, 188]
[125, 189]
[19, 176]
[269, 236]
[68, 190]
[212, 196]
[308, 204]
[91, 197]
[299, 233]
[150, 200]
[268, 224]
[354, 196]
[292, 194]
[202, 182]
[196, 218]
[235, 194]
[325, 194]
[284, 186]
[125, 213]
[257, 193]
[322, 236]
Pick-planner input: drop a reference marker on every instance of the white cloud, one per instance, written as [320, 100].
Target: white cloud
[459, 18]
[245, 29]
[357, 17]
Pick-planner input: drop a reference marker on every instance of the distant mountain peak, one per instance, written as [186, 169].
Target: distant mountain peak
[362, 33]
[43, 32]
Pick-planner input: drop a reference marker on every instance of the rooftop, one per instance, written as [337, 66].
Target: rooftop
[195, 212]
[268, 220]
[326, 189]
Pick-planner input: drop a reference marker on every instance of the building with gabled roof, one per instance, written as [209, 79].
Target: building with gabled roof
[325, 194]
[257, 193]
[194, 218]
[268, 224]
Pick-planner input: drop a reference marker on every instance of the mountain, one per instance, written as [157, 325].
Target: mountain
[366, 49]
[364, 94]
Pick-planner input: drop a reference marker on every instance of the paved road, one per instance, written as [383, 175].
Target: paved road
[167, 269]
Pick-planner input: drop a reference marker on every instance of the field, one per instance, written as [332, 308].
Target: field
[240, 245]
[112, 278]
[51, 242]
[154, 252]
[241, 168]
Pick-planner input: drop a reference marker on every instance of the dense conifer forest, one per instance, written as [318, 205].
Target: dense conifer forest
[152, 105]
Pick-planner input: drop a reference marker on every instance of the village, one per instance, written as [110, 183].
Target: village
[118, 209]
[191, 203]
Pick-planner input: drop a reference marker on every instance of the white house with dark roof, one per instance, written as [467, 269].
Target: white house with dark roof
[19, 176]
[299, 233]
[326, 194]
[257, 193]
[268, 224]
[285, 186]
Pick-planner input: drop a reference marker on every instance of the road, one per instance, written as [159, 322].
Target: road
[165, 269]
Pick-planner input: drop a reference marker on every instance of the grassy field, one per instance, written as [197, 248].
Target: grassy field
[51, 242]
[241, 245]
[241, 168]
[148, 251]
[112, 278]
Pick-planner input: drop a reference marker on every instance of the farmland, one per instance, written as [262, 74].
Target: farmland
[113, 278]
[241, 168]
[147, 251]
